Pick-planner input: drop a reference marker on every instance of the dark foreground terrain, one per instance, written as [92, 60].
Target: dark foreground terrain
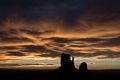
[14, 74]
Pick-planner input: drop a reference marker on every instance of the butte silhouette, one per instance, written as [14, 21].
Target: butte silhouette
[67, 64]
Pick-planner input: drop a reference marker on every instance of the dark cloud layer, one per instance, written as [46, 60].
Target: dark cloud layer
[66, 10]
[54, 52]
[15, 54]
[32, 48]
[8, 48]
[39, 9]
[100, 54]
[51, 51]
[14, 39]
[109, 42]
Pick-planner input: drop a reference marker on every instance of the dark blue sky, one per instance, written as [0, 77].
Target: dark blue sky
[66, 10]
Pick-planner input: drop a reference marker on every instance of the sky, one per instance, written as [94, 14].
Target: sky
[34, 33]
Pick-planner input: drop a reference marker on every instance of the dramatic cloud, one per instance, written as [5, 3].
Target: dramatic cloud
[15, 54]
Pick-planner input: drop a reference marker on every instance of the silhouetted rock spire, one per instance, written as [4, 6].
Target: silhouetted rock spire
[83, 67]
[66, 62]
